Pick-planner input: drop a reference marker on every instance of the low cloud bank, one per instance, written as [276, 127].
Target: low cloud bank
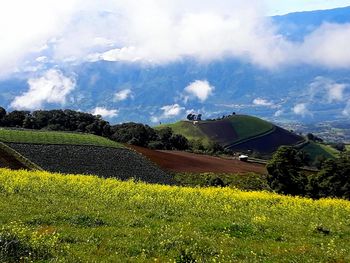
[157, 32]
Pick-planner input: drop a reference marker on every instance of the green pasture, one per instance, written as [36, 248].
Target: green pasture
[53, 137]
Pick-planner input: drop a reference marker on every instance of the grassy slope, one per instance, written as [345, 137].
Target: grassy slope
[348, 147]
[249, 126]
[187, 129]
[99, 220]
[52, 137]
[315, 149]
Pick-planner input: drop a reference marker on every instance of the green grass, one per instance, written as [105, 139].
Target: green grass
[347, 147]
[187, 129]
[249, 126]
[53, 137]
[88, 219]
[316, 149]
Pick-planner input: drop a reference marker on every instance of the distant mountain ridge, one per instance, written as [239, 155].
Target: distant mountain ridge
[239, 86]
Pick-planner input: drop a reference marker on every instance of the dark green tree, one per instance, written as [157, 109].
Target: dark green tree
[284, 171]
[333, 180]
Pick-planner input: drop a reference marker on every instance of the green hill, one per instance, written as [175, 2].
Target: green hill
[249, 134]
[53, 137]
[238, 133]
[317, 149]
[54, 218]
[227, 131]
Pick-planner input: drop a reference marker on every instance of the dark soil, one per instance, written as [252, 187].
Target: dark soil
[221, 132]
[101, 161]
[184, 162]
[269, 143]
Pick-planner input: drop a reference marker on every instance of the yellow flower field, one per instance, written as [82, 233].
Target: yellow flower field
[78, 218]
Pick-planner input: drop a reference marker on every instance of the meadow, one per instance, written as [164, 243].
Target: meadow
[53, 137]
[46, 217]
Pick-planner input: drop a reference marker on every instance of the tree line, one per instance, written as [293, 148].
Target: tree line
[130, 133]
[287, 176]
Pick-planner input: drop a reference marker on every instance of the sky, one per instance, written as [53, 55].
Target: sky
[40, 32]
[40, 38]
[278, 7]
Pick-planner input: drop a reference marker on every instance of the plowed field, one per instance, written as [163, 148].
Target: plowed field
[176, 161]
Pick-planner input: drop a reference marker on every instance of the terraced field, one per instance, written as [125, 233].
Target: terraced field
[105, 162]
[54, 218]
[268, 143]
[77, 153]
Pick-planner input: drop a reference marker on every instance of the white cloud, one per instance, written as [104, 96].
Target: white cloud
[105, 113]
[26, 27]
[168, 111]
[122, 95]
[327, 90]
[279, 113]
[301, 109]
[336, 92]
[158, 31]
[346, 110]
[52, 87]
[262, 102]
[201, 89]
[327, 46]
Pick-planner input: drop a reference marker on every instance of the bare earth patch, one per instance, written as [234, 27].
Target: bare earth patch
[177, 161]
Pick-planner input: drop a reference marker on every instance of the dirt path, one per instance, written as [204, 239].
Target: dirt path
[177, 161]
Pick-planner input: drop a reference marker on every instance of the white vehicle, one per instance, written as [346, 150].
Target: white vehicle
[243, 158]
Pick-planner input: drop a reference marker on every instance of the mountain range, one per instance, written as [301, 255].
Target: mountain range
[153, 93]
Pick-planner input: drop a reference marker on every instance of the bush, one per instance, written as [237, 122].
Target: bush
[215, 181]
[156, 145]
[196, 146]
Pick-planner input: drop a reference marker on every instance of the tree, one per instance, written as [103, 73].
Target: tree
[310, 136]
[339, 146]
[133, 133]
[2, 112]
[15, 118]
[2, 115]
[191, 117]
[179, 142]
[333, 180]
[285, 174]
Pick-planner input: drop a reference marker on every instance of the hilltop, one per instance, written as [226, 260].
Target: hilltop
[85, 219]
[249, 134]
